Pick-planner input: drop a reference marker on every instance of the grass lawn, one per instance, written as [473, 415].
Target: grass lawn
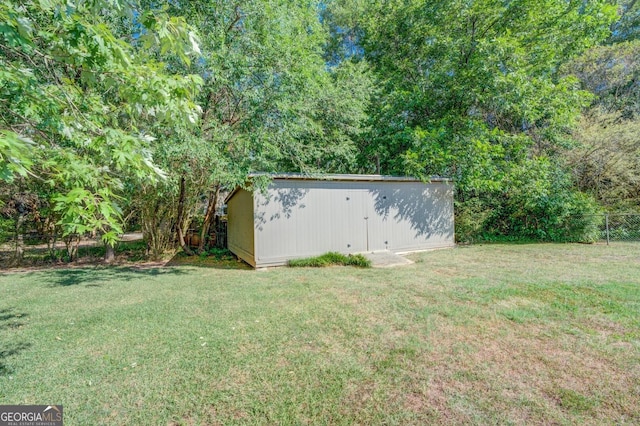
[509, 334]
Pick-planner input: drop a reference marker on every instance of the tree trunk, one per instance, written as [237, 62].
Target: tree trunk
[50, 232]
[19, 254]
[209, 217]
[181, 199]
[72, 243]
[158, 224]
[109, 253]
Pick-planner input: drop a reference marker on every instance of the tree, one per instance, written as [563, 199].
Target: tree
[269, 103]
[605, 162]
[74, 102]
[472, 90]
[627, 27]
[612, 73]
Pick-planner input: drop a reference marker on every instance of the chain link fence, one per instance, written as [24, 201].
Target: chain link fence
[611, 227]
[620, 227]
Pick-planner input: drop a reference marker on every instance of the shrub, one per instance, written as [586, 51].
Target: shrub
[470, 219]
[581, 221]
[536, 202]
[219, 253]
[331, 259]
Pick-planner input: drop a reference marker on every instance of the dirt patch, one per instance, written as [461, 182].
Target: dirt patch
[358, 396]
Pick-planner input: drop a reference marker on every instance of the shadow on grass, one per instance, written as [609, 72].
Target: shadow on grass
[96, 277]
[9, 319]
[8, 350]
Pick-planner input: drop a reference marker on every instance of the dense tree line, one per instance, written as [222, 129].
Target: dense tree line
[476, 91]
[116, 111]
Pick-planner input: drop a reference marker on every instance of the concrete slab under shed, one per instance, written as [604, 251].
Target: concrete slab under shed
[386, 259]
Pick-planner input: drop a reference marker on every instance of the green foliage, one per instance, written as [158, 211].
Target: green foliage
[535, 202]
[474, 91]
[467, 85]
[14, 155]
[470, 219]
[108, 105]
[627, 27]
[76, 99]
[606, 164]
[611, 72]
[7, 228]
[606, 160]
[218, 253]
[332, 259]
[269, 103]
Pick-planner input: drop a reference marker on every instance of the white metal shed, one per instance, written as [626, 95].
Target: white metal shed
[301, 216]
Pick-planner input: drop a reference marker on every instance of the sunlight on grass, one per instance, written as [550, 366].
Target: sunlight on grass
[483, 334]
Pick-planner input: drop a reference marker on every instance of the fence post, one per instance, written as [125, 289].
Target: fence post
[606, 221]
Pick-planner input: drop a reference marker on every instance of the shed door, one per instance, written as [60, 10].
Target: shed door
[379, 219]
[349, 223]
[362, 221]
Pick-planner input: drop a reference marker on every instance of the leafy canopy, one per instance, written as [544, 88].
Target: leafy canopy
[76, 100]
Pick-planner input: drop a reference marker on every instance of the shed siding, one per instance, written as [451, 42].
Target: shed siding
[240, 236]
[421, 216]
[301, 218]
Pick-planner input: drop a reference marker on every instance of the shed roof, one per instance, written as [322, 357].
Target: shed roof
[339, 178]
[346, 177]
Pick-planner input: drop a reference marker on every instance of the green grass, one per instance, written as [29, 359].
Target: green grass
[332, 259]
[507, 334]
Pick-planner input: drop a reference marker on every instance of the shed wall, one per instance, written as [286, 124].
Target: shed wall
[240, 229]
[302, 218]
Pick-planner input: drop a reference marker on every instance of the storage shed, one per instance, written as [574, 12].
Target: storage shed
[300, 216]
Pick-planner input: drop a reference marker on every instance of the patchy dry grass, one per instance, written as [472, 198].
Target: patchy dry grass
[515, 334]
